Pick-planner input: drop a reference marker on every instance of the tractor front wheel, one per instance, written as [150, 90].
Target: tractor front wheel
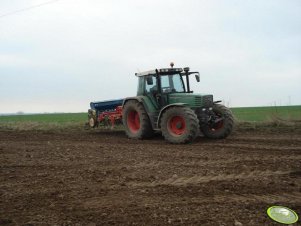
[179, 125]
[136, 121]
[220, 124]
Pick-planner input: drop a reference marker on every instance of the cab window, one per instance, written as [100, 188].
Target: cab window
[151, 88]
[172, 83]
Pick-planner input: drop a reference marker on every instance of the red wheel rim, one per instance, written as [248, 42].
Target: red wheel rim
[133, 121]
[218, 125]
[177, 125]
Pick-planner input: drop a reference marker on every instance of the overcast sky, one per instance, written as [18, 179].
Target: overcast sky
[60, 56]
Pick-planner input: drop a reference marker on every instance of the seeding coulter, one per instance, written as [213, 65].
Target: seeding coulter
[165, 103]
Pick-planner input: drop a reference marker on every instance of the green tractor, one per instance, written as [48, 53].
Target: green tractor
[165, 103]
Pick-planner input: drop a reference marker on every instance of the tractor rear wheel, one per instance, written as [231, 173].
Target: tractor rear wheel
[136, 121]
[221, 123]
[179, 125]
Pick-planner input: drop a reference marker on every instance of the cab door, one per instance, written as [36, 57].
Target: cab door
[151, 90]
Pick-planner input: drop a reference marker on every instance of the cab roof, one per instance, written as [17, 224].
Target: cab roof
[162, 71]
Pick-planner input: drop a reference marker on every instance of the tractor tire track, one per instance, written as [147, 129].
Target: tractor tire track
[198, 179]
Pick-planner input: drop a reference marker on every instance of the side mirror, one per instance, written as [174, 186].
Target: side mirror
[149, 80]
[197, 77]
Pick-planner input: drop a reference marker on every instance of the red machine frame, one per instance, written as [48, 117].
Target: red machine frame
[112, 116]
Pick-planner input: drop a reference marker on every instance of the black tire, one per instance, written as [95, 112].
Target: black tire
[222, 128]
[136, 121]
[179, 125]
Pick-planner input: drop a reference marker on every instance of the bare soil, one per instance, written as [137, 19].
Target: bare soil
[99, 177]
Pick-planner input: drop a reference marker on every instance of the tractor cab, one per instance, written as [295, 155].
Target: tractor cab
[170, 85]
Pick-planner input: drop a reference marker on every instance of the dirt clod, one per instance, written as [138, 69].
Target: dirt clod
[237, 223]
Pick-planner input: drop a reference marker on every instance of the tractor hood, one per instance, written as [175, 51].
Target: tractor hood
[192, 100]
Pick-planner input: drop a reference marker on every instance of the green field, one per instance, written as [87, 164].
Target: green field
[47, 118]
[48, 122]
[267, 114]
[245, 114]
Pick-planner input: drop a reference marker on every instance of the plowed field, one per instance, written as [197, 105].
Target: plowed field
[102, 178]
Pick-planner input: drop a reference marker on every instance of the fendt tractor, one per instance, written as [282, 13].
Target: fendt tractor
[165, 103]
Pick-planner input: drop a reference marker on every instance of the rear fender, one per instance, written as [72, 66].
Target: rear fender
[167, 107]
[139, 99]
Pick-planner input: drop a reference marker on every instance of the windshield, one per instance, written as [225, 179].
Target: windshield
[172, 83]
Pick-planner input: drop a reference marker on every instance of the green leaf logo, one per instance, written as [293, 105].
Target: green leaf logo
[282, 214]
